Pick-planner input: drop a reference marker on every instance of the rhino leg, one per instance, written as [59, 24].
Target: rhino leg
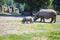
[54, 20]
[51, 20]
[23, 21]
[31, 21]
[41, 20]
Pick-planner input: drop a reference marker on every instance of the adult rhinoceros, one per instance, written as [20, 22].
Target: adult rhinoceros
[46, 14]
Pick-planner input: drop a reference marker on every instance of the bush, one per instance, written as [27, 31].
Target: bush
[13, 13]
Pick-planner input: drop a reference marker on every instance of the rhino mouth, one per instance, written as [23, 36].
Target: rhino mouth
[35, 18]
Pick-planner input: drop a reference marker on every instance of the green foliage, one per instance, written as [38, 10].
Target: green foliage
[50, 4]
[7, 2]
[29, 5]
[14, 13]
[10, 3]
[3, 2]
[37, 4]
[22, 6]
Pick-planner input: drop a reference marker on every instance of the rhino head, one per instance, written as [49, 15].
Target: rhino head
[35, 18]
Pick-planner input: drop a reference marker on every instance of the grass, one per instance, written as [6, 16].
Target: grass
[33, 36]
[34, 31]
[51, 34]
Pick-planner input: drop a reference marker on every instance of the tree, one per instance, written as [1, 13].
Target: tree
[57, 5]
[35, 4]
[0, 2]
[3, 2]
[10, 3]
[50, 4]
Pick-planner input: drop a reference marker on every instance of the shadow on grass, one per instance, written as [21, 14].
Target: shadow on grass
[41, 22]
[10, 15]
[13, 15]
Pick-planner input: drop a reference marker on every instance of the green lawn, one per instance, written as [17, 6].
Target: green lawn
[48, 32]
[33, 36]
[34, 31]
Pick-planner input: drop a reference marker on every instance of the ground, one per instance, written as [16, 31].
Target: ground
[11, 28]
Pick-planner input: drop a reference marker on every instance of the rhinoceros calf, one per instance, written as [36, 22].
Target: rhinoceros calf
[46, 14]
[27, 20]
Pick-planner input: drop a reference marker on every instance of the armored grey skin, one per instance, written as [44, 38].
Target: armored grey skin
[45, 14]
[26, 20]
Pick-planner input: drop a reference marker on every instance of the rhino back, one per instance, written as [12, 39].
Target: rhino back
[46, 13]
